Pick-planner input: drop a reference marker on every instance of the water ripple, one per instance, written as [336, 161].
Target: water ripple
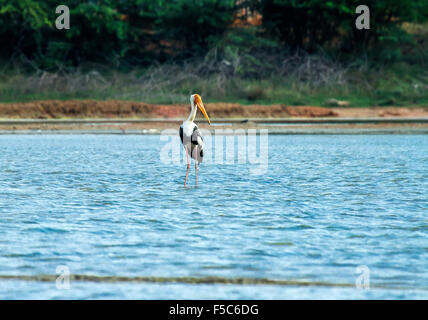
[107, 206]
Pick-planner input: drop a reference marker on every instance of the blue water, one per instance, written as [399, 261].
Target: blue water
[105, 205]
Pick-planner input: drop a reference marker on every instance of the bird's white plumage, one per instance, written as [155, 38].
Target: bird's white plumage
[188, 127]
[191, 135]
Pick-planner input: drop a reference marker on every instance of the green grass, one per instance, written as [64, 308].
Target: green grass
[399, 84]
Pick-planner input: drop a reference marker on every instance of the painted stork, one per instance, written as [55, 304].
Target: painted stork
[190, 135]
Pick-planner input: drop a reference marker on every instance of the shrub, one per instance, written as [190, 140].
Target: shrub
[311, 24]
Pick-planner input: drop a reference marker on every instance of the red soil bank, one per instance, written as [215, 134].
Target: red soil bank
[51, 109]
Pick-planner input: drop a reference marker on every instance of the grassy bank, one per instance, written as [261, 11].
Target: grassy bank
[245, 79]
[242, 63]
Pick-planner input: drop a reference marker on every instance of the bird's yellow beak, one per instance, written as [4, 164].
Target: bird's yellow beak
[201, 107]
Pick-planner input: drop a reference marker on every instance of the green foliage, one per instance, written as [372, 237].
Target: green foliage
[22, 25]
[197, 23]
[311, 24]
[111, 31]
[127, 33]
[100, 34]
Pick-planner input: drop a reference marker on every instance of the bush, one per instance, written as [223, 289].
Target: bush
[111, 31]
[311, 24]
[142, 32]
[198, 24]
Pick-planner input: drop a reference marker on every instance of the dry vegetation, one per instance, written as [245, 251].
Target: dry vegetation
[298, 79]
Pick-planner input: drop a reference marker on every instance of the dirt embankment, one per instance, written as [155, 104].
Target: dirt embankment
[54, 109]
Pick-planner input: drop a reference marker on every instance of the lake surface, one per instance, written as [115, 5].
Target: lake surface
[105, 205]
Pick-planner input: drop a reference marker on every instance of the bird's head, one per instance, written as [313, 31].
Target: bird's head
[196, 100]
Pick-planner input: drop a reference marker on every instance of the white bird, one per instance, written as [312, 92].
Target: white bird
[191, 136]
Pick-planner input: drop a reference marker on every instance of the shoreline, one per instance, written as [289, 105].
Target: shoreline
[294, 120]
[127, 117]
[221, 126]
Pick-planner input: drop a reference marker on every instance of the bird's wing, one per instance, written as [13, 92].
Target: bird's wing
[198, 141]
[181, 133]
[197, 137]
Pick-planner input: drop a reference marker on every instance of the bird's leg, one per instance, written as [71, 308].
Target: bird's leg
[196, 165]
[188, 165]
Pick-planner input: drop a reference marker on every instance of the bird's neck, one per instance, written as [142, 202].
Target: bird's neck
[192, 114]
